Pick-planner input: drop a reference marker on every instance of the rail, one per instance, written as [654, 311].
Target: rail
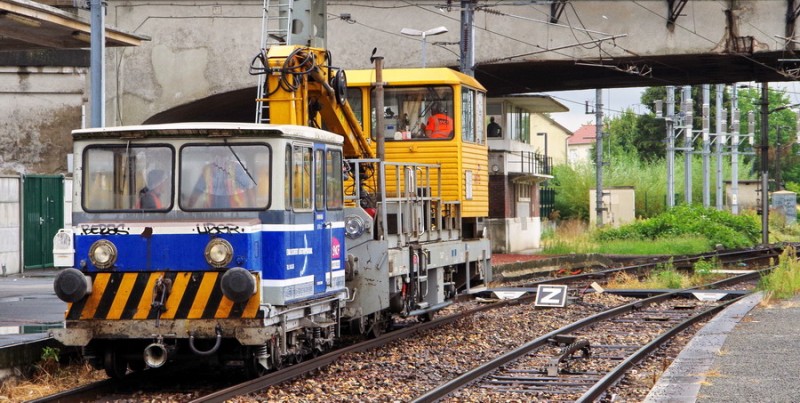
[527, 162]
[595, 391]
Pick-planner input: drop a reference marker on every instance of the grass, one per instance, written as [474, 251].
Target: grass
[665, 276]
[574, 236]
[689, 245]
[784, 281]
[47, 379]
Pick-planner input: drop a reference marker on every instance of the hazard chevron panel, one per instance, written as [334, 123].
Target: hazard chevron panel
[192, 295]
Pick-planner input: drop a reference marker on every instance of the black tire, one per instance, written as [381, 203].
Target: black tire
[115, 365]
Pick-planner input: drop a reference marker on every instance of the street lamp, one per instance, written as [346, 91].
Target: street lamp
[424, 35]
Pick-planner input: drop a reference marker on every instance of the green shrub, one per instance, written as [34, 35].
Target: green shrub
[718, 227]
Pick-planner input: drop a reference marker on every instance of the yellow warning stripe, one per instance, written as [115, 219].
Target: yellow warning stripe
[123, 294]
[98, 288]
[201, 299]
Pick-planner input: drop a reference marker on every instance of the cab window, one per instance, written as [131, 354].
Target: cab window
[424, 112]
[127, 177]
[225, 177]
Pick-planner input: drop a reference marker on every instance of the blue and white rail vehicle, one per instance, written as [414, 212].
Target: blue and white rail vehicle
[256, 244]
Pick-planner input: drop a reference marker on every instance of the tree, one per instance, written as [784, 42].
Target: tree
[781, 133]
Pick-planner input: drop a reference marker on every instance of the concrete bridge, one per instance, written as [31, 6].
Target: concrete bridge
[200, 51]
[194, 67]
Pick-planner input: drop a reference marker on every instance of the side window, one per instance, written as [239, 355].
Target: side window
[355, 98]
[333, 182]
[301, 178]
[416, 113]
[287, 177]
[468, 115]
[319, 180]
[480, 113]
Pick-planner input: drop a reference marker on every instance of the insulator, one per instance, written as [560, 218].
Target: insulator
[751, 125]
[659, 108]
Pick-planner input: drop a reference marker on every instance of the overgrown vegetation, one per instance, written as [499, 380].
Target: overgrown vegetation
[716, 227]
[684, 230]
[47, 377]
[648, 178]
[665, 276]
[784, 280]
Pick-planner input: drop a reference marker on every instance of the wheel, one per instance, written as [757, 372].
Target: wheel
[426, 317]
[115, 365]
[377, 325]
[137, 365]
[253, 367]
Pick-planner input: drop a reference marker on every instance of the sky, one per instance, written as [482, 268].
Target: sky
[614, 101]
[618, 100]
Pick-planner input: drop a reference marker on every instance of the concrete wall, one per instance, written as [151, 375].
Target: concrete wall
[10, 228]
[38, 108]
[202, 48]
[747, 195]
[514, 235]
[620, 202]
[67, 203]
[198, 49]
[523, 31]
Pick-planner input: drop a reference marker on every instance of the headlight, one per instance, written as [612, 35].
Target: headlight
[103, 254]
[354, 226]
[219, 252]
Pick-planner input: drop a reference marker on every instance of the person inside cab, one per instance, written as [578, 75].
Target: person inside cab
[150, 195]
[223, 184]
[439, 126]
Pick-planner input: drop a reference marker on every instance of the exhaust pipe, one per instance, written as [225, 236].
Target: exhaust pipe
[155, 355]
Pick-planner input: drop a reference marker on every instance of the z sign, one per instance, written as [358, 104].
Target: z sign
[551, 295]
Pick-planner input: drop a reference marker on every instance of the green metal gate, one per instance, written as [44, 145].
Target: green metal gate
[43, 212]
[547, 201]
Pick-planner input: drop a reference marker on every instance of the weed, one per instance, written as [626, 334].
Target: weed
[784, 281]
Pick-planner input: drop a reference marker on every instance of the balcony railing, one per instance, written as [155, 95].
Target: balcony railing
[526, 162]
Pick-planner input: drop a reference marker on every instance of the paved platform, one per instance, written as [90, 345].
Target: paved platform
[28, 308]
[747, 353]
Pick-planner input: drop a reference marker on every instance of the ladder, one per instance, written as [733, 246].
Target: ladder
[276, 21]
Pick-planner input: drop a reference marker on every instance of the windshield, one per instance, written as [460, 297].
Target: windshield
[416, 113]
[223, 176]
[120, 177]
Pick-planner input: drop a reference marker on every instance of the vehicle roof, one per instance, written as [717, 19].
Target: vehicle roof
[419, 76]
[208, 130]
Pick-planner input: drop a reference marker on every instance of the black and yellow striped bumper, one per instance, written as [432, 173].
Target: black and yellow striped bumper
[192, 295]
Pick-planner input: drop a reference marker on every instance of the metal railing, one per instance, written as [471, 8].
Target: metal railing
[526, 162]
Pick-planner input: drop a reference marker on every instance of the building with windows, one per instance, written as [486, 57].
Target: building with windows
[579, 145]
[518, 166]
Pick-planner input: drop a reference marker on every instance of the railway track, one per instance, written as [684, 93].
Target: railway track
[407, 333]
[581, 361]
